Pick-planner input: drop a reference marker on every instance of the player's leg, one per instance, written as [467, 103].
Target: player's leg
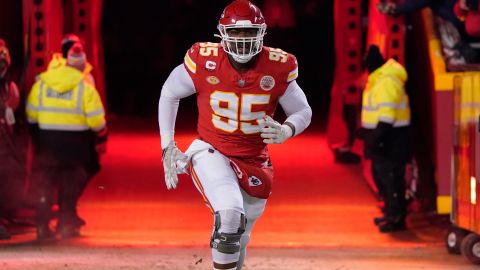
[254, 208]
[218, 184]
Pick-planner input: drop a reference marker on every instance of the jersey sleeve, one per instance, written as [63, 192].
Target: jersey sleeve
[292, 68]
[191, 59]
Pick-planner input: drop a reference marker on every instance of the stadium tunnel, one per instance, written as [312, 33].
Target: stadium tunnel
[133, 49]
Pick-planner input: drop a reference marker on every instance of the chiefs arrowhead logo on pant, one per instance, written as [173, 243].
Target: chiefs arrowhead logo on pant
[253, 181]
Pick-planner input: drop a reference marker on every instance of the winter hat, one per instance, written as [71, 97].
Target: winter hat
[76, 57]
[373, 58]
[67, 42]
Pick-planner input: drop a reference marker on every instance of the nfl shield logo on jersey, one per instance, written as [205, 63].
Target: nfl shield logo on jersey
[253, 181]
[267, 83]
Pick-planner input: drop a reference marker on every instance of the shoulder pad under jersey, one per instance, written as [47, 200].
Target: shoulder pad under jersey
[200, 52]
[285, 62]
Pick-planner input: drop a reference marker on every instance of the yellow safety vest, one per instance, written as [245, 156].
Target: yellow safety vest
[62, 100]
[384, 98]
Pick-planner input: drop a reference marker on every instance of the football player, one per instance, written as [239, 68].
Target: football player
[238, 83]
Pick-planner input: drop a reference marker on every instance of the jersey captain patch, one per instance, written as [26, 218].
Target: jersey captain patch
[210, 65]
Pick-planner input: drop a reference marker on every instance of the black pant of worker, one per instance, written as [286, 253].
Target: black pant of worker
[388, 149]
[389, 176]
[65, 180]
[92, 166]
[377, 179]
[60, 166]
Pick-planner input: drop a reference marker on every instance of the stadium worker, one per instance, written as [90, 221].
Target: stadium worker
[67, 119]
[386, 121]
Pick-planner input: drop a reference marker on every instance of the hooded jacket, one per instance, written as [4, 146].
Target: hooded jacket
[62, 100]
[386, 112]
[384, 98]
[58, 61]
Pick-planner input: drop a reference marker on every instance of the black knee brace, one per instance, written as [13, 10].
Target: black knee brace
[226, 242]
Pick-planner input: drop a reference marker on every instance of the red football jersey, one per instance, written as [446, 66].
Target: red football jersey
[230, 103]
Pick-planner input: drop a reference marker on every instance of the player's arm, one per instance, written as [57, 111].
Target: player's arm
[295, 105]
[299, 114]
[178, 85]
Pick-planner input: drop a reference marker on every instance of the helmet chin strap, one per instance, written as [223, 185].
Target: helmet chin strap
[241, 60]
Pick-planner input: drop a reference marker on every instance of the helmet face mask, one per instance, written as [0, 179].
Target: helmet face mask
[242, 42]
[242, 28]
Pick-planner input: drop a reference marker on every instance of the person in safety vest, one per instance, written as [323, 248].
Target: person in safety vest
[10, 167]
[60, 59]
[67, 120]
[386, 119]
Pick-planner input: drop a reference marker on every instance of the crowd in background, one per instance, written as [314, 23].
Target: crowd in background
[458, 24]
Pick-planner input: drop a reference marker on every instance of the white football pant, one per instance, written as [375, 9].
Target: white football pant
[217, 182]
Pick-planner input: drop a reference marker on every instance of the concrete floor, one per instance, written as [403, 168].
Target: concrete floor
[76, 256]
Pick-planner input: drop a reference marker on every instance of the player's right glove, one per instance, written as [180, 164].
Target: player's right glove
[174, 162]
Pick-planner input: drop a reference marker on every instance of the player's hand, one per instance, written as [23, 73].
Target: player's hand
[174, 162]
[274, 132]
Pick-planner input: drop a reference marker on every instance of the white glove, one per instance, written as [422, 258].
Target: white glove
[274, 132]
[174, 162]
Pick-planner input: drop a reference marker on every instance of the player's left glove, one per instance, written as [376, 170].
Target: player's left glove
[174, 162]
[274, 132]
